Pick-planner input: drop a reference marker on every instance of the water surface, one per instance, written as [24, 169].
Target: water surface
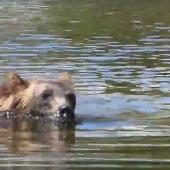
[118, 53]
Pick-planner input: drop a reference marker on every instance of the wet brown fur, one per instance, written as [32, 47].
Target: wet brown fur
[15, 96]
[9, 90]
[14, 84]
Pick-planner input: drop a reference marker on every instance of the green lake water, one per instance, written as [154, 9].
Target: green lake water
[118, 53]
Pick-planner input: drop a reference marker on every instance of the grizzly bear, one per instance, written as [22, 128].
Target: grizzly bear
[40, 97]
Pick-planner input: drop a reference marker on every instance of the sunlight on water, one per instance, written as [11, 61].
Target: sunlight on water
[118, 55]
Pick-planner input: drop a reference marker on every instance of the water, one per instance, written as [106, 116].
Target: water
[118, 53]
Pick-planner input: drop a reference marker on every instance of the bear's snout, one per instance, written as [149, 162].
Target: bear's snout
[65, 114]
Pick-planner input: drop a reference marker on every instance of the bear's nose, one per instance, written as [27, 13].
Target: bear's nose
[65, 113]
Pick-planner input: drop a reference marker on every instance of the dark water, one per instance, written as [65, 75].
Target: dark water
[118, 53]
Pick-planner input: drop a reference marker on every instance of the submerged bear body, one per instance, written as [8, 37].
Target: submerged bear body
[52, 98]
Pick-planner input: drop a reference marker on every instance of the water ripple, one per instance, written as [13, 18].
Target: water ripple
[118, 55]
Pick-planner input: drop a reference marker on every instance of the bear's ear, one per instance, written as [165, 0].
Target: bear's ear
[15, 82]
[14, 77]
[65, 79]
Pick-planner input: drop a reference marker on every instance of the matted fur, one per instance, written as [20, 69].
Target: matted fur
[24, 100]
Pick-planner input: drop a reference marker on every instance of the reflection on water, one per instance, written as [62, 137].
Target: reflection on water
[118, 55]
[33, 142]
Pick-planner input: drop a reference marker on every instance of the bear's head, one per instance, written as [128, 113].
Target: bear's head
[53, 98]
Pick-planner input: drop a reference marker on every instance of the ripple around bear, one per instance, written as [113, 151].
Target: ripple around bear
[38, 96]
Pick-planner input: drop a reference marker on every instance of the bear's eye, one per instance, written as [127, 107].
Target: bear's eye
[46, 94]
